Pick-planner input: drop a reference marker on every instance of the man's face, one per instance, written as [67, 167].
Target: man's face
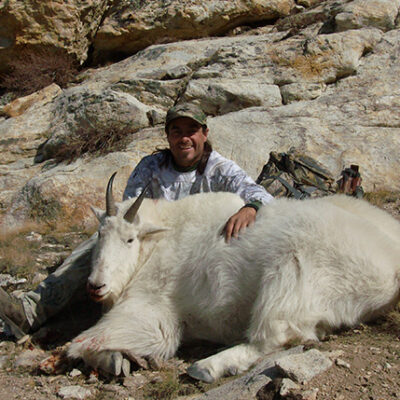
[186, 139]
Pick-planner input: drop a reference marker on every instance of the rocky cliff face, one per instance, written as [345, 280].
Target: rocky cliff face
[322, 76]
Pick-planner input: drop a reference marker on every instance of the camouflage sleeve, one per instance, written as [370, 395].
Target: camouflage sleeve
[139, 178]
[237, 181]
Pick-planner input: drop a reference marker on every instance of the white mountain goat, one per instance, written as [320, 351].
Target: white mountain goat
[304, 268]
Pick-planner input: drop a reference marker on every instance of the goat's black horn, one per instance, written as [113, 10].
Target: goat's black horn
[111, 209]
[133, 209]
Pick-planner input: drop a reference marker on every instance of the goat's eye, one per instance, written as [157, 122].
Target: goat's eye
[130, 240]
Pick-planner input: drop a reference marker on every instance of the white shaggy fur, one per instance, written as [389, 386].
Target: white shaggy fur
[303, 268]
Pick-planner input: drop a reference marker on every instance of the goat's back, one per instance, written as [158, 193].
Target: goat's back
[322, 260]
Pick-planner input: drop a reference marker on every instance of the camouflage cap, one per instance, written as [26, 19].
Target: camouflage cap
[186, 110]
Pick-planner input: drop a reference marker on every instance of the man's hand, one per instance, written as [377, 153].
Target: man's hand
[239, 221]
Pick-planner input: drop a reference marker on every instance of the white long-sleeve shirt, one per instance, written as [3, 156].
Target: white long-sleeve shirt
[220, 175]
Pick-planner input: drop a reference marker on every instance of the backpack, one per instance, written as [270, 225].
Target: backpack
[293, 174]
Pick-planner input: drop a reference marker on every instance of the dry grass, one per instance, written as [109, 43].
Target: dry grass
[18, 253]
[94, 140]
[34, 69]
[309, 65]
[382, 197]
[167, 389]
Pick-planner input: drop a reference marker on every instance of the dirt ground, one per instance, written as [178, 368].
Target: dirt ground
[367, 363]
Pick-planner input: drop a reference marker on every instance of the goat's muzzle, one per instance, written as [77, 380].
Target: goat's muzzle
[96, 293]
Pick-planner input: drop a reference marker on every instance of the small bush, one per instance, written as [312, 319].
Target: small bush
[17, 255]
[309, 65]
[95, 141]
[167, 389]
[382, 197]
[41, 209]
[34, 69]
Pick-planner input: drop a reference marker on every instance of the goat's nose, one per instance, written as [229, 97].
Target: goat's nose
[92, 287]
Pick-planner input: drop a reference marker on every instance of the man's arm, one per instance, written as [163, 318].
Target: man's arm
[138, 180]
[237, 181]
[238, 222]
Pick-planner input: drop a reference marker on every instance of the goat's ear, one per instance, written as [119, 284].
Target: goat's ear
[98, 213]
[148, 229]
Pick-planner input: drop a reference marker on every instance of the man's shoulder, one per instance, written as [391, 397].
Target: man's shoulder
[217, 162]
[152, 160]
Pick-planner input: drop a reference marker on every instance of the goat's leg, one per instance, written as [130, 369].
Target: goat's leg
[232, 361]
[277, 318]
[134, 328]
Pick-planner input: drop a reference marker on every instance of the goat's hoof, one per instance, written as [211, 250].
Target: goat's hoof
[126, 367]
[109, 363]
[116, 363]
[201, 374]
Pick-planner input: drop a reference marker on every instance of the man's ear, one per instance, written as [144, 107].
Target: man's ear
[148, 229]
[98, 213]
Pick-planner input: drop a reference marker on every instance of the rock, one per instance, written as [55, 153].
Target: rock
[358, 14]
[34, 237]
[21, 137]
[117, 390]
[387, 366]
[248, 385]
[135, 381]
[221, 96]
[309, 394]
[74, 392]
[29, 358]
[129, 27]
[330, 123]
[287, 385]
[334, 354]
[93, 378]
[303, 367]
[68, 190]
[341, 363]
[38, 277]
[79, 112]
[3, 361]
[74, 373]
[301, 91]
[37, 99]
[67, 26]
[7, 280]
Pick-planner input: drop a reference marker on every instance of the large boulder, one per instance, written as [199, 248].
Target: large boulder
[360, 13]
[129, 27]
[69, 26]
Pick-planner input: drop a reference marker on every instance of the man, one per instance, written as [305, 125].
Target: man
[188, 166]
[191, 166]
